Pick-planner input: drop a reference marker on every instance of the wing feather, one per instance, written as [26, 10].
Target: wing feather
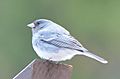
[65, 41]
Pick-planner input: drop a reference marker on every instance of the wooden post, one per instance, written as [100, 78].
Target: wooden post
[39, 69]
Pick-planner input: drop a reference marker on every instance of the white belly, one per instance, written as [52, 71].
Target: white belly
[61, 55]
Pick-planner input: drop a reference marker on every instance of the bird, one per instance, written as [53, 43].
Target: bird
[54, 43]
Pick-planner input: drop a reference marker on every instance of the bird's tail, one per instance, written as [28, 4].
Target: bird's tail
[88, 54]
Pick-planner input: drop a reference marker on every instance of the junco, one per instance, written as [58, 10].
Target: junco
[53, 42]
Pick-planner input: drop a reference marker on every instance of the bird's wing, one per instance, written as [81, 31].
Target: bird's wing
[64, 41]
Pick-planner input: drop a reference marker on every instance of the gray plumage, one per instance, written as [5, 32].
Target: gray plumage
[53, 42]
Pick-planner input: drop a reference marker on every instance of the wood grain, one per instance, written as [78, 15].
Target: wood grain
[39, 69]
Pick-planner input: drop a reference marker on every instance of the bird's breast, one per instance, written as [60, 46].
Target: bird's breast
[44, 46]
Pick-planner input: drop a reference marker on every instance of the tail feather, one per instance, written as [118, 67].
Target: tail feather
[88, 54]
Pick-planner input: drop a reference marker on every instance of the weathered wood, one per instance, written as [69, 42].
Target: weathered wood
[39, 69]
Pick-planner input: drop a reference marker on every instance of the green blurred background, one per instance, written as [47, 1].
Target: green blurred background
[95, 23]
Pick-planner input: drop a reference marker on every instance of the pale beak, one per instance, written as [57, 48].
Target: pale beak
[32, 25]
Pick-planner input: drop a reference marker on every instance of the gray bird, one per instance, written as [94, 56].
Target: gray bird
[53, 42]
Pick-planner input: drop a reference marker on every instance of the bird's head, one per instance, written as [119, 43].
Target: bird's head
[39, 24]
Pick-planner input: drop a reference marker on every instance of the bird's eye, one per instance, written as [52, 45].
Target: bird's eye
[37, 23]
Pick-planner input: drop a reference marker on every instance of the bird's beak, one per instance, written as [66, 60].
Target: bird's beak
[32, 25]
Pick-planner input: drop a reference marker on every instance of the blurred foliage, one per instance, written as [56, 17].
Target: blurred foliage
[96, 23]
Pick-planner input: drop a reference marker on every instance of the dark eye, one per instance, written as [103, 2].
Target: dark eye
[37, 23]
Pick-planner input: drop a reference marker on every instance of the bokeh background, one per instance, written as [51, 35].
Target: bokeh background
[95, 23]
